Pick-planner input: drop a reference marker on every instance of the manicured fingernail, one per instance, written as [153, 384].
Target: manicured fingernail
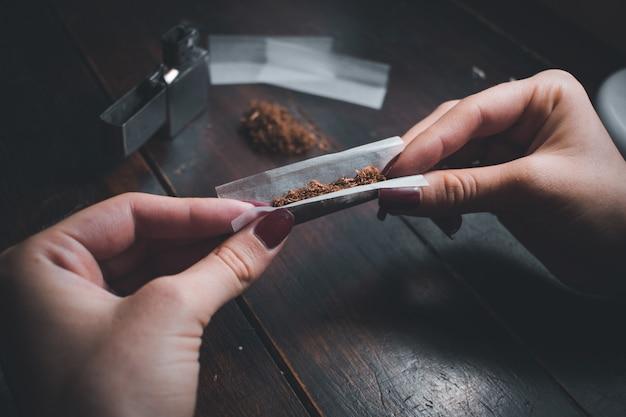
[274, 227]
[399, 199]
[389, 165]
[449, 225]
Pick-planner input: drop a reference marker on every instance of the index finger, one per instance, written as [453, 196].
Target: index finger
[110, 227]
[483, 114]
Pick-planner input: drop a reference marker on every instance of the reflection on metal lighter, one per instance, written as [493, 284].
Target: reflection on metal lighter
[172, 95]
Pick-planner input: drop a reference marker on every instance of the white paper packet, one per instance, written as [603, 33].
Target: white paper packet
[304, 64]
[325, 73]
[236, 59]
[265, 186]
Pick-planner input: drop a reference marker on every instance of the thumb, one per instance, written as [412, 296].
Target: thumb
[230, 268]
[456, 191]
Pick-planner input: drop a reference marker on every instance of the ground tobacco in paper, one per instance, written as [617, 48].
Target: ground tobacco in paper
[367, 175]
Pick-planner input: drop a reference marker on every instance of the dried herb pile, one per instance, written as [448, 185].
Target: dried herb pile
[272, 127]
[367, 175]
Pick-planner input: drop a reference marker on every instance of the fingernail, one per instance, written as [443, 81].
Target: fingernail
[274, 227]
[389, 165]
[449, 225]
[399, 199]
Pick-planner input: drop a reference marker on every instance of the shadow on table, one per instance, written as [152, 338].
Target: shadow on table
[579, 339]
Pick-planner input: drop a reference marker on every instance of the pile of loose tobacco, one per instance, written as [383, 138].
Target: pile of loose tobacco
[272, 127]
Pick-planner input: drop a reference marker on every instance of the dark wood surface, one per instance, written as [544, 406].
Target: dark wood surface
[576, 338]
[356, 317]
[548, 37]
[51, 167]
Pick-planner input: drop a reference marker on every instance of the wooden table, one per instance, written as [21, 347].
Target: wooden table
[357, 317]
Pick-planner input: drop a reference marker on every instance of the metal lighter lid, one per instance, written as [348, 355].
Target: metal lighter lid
[178, 44]
[136, 116]
[172, 95]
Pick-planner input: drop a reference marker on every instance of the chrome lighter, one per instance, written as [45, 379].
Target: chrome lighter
[169, 97]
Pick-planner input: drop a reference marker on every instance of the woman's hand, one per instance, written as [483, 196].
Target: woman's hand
[73, 345]
[535, 153]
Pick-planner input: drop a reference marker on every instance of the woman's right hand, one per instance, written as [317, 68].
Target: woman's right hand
[535, 153]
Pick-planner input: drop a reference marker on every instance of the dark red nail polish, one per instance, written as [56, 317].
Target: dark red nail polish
[274, 227]
[389, 165]
[399, 199]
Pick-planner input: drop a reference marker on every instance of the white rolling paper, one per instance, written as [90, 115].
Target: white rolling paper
[402, 182]
[265, 186]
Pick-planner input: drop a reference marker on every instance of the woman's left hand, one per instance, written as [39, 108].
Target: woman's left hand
[75, 344]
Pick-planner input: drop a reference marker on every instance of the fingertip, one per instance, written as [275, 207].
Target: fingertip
[388, 168]
[399, 199]
[274, 228]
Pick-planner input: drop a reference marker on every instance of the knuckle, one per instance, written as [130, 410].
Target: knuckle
[446, 105]
[237, 260]
[458, 188]
[559, 75]
[561, 79]
[128, 196]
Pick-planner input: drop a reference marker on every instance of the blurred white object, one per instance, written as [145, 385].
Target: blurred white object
[327, 168]
[611, 106]
[298, 63]
[171, 76]
[326, 74]
[235, 59]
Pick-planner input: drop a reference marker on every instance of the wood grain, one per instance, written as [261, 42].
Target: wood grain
[575, 337]
[49, 163]
[363, 315]
[51, 166]
[50, 160]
